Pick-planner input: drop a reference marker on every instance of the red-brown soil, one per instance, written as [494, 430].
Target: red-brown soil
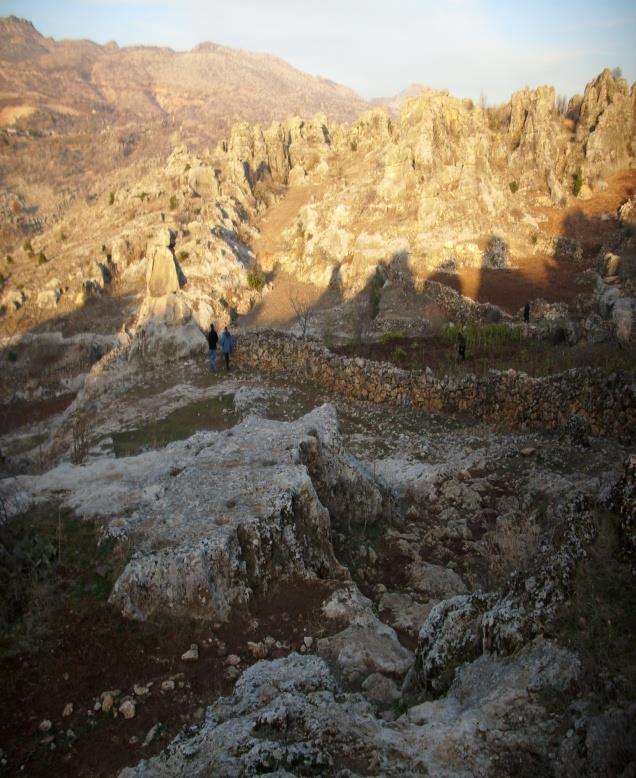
[78, 647]
[19, 412]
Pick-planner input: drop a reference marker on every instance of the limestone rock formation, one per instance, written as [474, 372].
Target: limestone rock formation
[288, 717]
[222, 515]
[161, 275]
[605, 123]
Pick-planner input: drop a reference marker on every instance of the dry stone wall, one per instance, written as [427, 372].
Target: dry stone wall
[608, 402]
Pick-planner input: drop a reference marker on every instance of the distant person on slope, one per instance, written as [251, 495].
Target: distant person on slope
[227, 346]
[461, 346]
[213, 339]
[526, 313]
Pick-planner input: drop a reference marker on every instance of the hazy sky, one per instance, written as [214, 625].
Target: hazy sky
[377, 48]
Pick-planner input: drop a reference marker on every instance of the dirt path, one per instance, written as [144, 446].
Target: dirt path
[281, 216]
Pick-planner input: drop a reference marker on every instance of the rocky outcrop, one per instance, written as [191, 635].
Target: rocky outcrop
[288, 717]
[166, 331]
[162, 277]
[605, 123]
[463, 627]
[366, 647]
[218, 518]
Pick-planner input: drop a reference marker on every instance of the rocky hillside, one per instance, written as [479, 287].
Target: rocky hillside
[72, 112]
[521, 202]
[311, 563]
[213, 84]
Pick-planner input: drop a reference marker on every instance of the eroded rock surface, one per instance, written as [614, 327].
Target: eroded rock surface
[220, 516]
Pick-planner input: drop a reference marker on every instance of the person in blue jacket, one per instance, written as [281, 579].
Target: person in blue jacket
[227, 346]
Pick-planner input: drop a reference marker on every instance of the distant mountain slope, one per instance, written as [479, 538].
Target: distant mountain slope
[395, 103]
[211, 83]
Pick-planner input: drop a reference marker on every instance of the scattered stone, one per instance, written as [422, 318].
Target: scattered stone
[151, 734]
[192, 654]
[258, 650]
[108, 699]
[233, 660]
[528, 451]
[68, 710]
[128, 709]
[308, 641]
[167, 686]
[220, 645]
[232, 673]
[45, 725]
[140, 690]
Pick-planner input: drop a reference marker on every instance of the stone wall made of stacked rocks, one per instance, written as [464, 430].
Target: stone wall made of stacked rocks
[608, 402]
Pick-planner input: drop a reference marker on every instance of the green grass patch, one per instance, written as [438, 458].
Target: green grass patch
[214, 413]
[255, 279]
[483, 335]
[389, 337]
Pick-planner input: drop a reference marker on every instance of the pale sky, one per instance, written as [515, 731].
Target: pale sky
[377, 48]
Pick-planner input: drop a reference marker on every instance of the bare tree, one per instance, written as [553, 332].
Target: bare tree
[300, 302]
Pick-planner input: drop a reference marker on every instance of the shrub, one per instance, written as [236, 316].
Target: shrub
[398, 354]
[187, 167]
[578, 182]
[12, 356]
[514, 186]
[143, 196]
[111, 198]
[80, 440]
[534, 238]
[183, 255]
[255, 279]
[387, 337]
[354, 145]
[173, 202]
[2, 279]
[42, 260]
[9, 259]
[375, 294]
[27, 247]
[63, 235]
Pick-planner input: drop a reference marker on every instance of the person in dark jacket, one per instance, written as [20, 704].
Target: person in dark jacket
[461, 346]
[227, 346]
[213, 339]
[526, 313]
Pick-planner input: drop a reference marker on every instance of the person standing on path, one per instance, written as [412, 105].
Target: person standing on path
[227, 346]
[213, 339]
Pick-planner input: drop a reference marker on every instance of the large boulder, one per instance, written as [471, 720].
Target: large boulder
[166, 330]
[366, 646]
[162, 277]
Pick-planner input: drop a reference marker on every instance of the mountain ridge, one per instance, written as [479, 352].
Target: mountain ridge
[264, 86]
